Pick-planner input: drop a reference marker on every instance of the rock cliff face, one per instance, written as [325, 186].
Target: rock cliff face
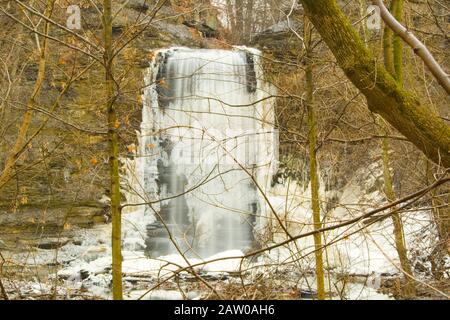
[61, 180]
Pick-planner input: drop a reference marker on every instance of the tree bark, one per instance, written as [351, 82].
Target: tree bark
[399, 238]
[249, 21]
[393, 62]
[238, 33]
[388, 50]
[113, 154]
[398, 44]
[400, 108]
[20, 142]
[409, 289]
[419, 48]
[312, 141]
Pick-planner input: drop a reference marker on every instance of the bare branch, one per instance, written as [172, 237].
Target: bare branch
[419, 48]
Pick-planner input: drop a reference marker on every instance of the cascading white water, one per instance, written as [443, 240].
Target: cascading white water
[207, 149]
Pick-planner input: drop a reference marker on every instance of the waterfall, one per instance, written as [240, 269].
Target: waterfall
[207, 150]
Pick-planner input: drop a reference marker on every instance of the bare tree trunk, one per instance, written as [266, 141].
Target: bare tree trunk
[400, 243]
[441, 217]
[398, 44]
[419, 48]
[248, 20]
[2, 288]
[393, 62]
[231, 16]
[20, 144]
[400, 108]
[388, 48]
[239, 27]
[113, 154]
[312, 139]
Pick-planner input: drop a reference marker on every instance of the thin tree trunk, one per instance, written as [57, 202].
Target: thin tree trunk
[441, 217]
[248, 21]
[419, 48]
[238, 33]
[398, 44]
[2, 287]
[388, 47]
[20, 143]
[231, 16]
[400, 243]
[400, 108]
[393, 62]
[113, 154]
[312, 139]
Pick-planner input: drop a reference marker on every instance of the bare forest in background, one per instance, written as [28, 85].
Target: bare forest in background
[357, 208]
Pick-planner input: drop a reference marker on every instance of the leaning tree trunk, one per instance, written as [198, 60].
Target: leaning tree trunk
[113, 153]
[399, 107]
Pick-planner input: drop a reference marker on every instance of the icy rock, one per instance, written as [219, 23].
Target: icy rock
[99, 285]
[84, 274]
[99, 280]
[214, 276]
[133, 244]
[67, 274]
[227, 265]
[77, 242]
[94, 253]
[308, 294]
[163, 295]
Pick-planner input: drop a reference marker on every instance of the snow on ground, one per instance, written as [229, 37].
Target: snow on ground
[358, 249]
[161, 295]
[224, 266]
[370, 251]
